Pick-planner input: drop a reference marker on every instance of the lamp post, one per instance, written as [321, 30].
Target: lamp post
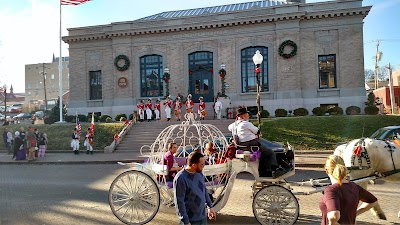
[44, 73]
[258, 59]
[222, 73]
[166, 78]
[5, 105]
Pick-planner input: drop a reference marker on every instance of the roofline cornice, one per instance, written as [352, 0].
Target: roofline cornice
[203, 25]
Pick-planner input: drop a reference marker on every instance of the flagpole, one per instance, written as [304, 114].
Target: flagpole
[60, 72]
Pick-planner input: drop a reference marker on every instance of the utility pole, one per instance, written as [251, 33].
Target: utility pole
[391, 91]
[378, 56]
[44, 86]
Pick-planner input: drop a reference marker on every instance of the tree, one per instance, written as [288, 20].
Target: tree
[383, 73]
[56, 110]
[369, 75]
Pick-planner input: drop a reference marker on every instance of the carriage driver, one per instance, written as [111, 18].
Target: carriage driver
[248, 135]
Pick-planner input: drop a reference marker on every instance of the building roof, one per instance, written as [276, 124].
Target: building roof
[216, 9]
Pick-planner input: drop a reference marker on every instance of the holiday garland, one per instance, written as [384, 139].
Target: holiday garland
[166, 77]
[222, 73]
[126, 62]
[282, 47]
[199, 67]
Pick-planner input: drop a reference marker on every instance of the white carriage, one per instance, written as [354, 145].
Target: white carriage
[136, 195]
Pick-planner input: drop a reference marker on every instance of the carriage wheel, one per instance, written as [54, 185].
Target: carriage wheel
[275, 205]
[134, 197]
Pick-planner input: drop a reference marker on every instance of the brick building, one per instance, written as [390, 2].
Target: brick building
[327, 69]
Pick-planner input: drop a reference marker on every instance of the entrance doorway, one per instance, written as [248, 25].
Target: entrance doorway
[201, 76]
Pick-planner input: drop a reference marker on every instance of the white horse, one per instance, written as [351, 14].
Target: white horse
[372, 156]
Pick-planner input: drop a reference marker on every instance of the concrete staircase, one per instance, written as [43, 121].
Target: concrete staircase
[145, 133]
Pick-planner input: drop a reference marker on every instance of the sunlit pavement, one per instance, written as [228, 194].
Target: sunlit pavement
[77, 194]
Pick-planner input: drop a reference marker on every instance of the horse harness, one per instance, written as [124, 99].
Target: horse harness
[361, 152]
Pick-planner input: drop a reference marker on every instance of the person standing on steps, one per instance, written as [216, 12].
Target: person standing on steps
[168, 106]
[148, 107]
[189, 104]
[177, 108]
[140, 107]
[202, 109]
[218, 108]
[157, 109]
[75, 141]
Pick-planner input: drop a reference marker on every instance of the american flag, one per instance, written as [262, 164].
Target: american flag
[73, 2]
[78, 126]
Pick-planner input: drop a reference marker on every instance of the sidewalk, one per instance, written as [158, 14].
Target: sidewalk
[302, 158]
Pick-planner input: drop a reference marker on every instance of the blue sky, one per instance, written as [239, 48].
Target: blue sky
[30, 28]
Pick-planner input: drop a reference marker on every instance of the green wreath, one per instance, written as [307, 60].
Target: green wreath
[282, 47]
[126, 62]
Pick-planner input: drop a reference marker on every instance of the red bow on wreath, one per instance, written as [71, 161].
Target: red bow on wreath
[357, 151]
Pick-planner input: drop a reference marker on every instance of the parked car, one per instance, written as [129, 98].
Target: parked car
[2, 117]
[22, 116]
[385, 133]
[2, 108]
[39, 114]
[16, 108]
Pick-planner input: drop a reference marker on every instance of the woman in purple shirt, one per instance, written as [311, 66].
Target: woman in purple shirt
[339, 205]
[169, 161]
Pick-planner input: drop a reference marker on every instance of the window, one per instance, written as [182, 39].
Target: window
[248, 77]
[95, 85]
[327, 71]
[52, 76]
[151, 70]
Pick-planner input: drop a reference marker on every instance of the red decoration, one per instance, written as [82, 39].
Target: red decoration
[222, 76]
[116, 137]
[190, 72]
[257, 70]
[357, 151]
[212, 70]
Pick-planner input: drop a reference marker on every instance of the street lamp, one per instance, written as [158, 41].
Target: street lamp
[222, 73]
[166, 78]
[5, 104]
[258, 59]
[44, 73]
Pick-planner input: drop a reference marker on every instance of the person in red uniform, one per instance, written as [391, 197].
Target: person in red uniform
[339, 205]
[189, 104]
[202, 109]
[168, 106]
[157, 109]
[140, 107]
[177, 108]
[148, 107]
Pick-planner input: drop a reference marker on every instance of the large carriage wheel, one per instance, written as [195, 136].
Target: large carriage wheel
[275, 205]
[134, 197]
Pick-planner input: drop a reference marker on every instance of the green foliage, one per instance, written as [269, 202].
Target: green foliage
[371, 100]
[371, 110]
[56, 110]
[82, 118]
[108, 120]
[118, 116]
[323, 133]
[264, 113]
[49, 119]
[318, 111]
[335, 111]
[353, 110]
[104, 117]
[122, 119]
[300, 112]
[131, 116]
[280, 113]
[95, 118]
[69, 118]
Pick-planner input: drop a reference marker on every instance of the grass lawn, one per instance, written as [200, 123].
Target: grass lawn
[323, 132]
[59, 135]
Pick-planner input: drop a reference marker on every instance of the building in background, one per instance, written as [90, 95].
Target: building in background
[35, 83]
[313, 56]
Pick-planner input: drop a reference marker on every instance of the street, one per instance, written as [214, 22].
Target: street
[77, 194]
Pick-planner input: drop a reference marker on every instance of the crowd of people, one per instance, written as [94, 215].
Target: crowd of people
[25, 145]
[175, 107]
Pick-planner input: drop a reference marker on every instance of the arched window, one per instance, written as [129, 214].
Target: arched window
[249, 80]
[151, 68]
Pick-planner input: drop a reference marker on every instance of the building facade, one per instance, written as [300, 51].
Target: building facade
[313, 56]
[44, 77]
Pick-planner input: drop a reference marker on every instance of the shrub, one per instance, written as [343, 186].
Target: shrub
[371, 110]
[118, 116]
[264, 114]
[104, 117]
[280, 113]
[131, 116]
[82, 118]
[353, 110]
[122, 119]
[49, 119]
[318, 111]
[95, 118]
[300, 112]
[108, 120]
[69, 118]
[335, 111]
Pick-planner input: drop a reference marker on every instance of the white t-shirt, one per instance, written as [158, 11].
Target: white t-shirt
[218, 105]
[245, 130]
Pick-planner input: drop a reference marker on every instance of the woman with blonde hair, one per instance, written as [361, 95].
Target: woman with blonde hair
[339, 205]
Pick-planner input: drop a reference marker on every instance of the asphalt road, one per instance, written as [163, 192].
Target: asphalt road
[77, 194]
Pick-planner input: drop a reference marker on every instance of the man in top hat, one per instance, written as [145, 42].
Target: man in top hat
[157, 109]
[248, 135]
[189, 104]
[140, 107]
[148, 107]
[168, 106]
[202, 109]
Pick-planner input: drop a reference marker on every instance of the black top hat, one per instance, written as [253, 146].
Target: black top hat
[241, 111]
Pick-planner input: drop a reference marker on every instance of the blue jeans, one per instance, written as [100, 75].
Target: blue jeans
[201, 222]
